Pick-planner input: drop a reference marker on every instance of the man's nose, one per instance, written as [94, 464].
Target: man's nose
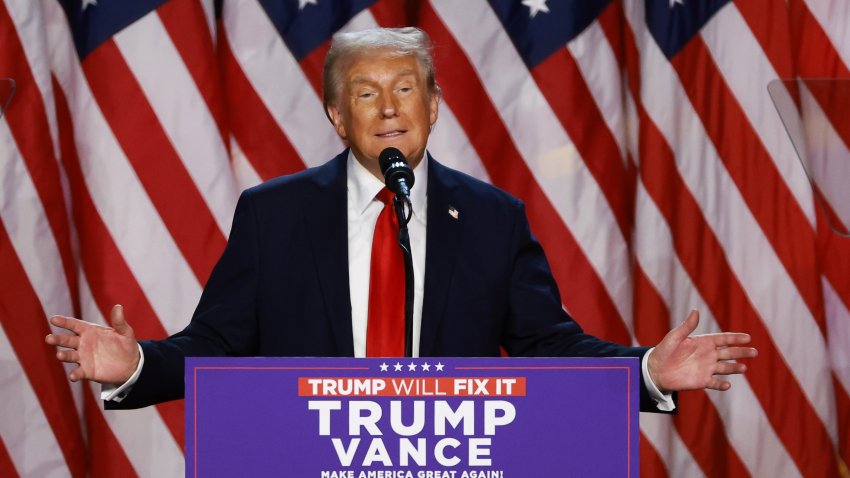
[389, 106]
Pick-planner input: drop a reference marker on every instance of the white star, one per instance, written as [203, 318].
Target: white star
[412, 367]
[397, 367]
[384, 367]
[439, 366]
[674, 2]
[535, 7]
[426, 367]
[304, 3]
[88, 3]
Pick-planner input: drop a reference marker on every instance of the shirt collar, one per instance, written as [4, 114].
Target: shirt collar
[363, 186]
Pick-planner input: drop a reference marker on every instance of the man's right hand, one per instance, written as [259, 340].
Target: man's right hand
[107, 355]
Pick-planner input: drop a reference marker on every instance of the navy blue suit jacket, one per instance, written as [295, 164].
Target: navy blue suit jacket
[281, 286]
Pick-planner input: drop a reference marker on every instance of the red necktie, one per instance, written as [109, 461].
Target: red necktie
[385, 330]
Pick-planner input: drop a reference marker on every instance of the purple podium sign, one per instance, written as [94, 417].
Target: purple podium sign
[412, 418]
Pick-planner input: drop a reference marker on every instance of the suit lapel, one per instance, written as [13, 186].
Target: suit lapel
[327, 225]
[443, 233]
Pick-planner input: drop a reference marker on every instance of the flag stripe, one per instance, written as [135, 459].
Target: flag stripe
[24, 324]
[711, 257]
[732, 135]
[744, 158]
[562, 84]
[29, 42]
[177, 102]
[244, 173]
[690, 427]
[676, 456]
[700, 251]
[106, 456]
[23, 423]
[835, 260]
[186, 23]
[831, 16]
[391, 13]
[816, 56]
[132, 427]
[669, 287]
[29, 127]
[447, 141]
[154, 159]
[842, 405]
[744, 76]
[132, 221]
[7, 468]
[651, 463]
[108, 275]
[706, 282]
[313, 65]
[761, 17]
[655, 186]
[821, 105]
[508, 171]
[719, 459]
[705, 262]
[546, 152]
[263, 142]
[309, 131]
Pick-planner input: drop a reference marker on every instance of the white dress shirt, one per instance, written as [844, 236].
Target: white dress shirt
[363, 211]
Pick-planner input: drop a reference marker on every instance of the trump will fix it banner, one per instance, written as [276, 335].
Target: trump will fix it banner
[412, 418]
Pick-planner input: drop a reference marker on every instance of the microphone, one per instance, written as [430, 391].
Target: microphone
[397, 173]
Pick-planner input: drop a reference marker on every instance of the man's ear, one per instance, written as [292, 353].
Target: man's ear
[434, 107]
[335, 115]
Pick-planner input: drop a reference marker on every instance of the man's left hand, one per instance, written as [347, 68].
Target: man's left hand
[684, 362]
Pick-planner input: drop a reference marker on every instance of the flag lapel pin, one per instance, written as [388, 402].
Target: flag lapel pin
[453, 212]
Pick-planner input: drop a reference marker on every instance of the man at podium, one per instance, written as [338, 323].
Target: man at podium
[311, 267]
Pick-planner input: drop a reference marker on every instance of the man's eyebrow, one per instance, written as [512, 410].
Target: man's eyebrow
[365, 79]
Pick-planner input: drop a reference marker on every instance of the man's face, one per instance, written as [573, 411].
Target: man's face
[384, 102]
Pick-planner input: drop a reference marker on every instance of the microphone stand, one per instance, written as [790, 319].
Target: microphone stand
[404, 243]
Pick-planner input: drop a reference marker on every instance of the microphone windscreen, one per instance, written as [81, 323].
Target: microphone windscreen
[389, 156]
[398, 176]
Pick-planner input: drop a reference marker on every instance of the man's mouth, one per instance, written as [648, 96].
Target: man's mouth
[391, 134]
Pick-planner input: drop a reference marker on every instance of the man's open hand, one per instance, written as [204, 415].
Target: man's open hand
[684, 362]
[107, 355]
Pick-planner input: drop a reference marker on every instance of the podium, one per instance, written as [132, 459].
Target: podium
[420, 417]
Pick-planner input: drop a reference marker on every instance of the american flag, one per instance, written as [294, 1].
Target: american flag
[656, 173]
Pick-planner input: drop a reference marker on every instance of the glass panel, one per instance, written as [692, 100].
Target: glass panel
[816, 115]
[7, 90]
